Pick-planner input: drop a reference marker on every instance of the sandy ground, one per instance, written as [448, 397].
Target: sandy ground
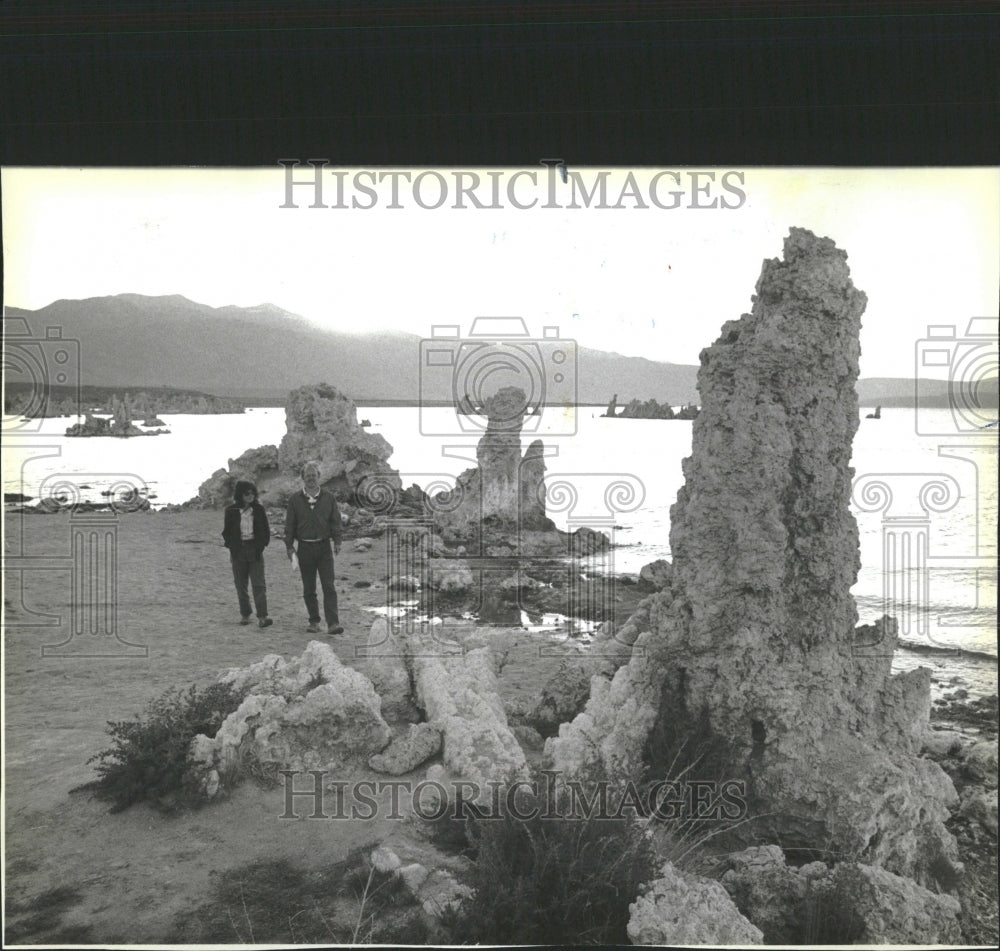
[75, 873]
[135, 872]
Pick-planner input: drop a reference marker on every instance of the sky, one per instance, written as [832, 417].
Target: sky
[658, 282]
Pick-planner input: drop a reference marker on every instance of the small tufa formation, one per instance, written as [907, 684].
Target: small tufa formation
[119, 425]
[309, 713]
[754, 640]
[322, 425]
[505, 493]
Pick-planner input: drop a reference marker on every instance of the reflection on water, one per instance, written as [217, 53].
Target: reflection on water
[953, 522]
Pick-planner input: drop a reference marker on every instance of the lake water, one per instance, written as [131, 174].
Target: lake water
[926, 505]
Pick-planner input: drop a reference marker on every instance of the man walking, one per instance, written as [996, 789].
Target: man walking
[313, 520]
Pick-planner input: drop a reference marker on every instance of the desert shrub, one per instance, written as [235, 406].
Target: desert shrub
[147, 759]
[281, 903]
[551, 881]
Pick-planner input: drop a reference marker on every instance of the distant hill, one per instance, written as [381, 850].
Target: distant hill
[260, 353]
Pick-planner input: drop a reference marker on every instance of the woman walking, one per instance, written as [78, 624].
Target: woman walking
[245, 532]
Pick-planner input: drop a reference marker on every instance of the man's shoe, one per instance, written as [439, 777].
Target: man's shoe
[244, 621]
[265, 622]
[334, 629]
[314, 627]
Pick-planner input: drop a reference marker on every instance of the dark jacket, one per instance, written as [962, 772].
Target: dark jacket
[231, 528]
[319, 521]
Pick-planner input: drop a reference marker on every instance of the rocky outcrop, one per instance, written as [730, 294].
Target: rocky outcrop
[756, 638]
[505, 492]
[309, 713]
[120, 424]
[649, 409]
[678, 910]
[259, 466]
[460, 696]
[322, 425]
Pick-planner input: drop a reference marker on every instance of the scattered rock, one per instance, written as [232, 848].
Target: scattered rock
[452, 577]
[387, 668]
[851, 903]
[406, 752]
[385, 860]
[895, 910]
[442, 892]
[413, 875]
[460, 696]
[681, 910]
[979, 762]
[310, 713]
[655, 576]
[980, 805]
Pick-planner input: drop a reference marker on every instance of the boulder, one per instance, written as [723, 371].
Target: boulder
[258, 465]
[979, 805]
[563, 696]
[891, 909]
[460, 696]
[979, 762]
[655, 576]
[442, 892]
[850, 903]
[309, 713]
[770, 893]
[386, 667]
[939, 744]
[407, 751]
[452, 577]
[681, 910]
[383, 859]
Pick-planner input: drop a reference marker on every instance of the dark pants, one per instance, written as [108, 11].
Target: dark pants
[317, 558]
[247, 567]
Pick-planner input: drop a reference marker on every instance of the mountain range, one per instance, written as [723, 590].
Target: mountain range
[260, 353]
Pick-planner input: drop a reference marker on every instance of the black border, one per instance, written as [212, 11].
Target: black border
[489, 82]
